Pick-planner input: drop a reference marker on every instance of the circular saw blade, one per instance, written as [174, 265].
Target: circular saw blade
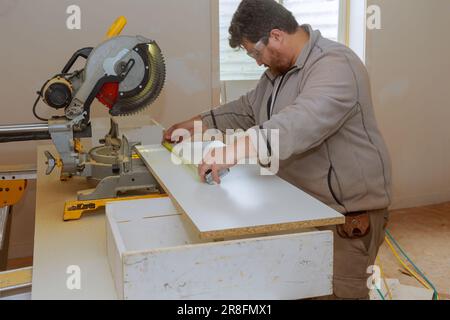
[146, 92]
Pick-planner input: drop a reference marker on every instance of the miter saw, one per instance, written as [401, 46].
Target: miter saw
[126, 74]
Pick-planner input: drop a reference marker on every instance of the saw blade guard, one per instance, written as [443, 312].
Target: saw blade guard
[134, 64]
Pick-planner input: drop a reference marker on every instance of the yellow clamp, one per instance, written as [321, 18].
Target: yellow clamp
[11, 191]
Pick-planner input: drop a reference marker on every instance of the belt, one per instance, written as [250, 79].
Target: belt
[365, 211]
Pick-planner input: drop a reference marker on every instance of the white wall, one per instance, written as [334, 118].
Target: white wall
[409, 64]
[36, 45]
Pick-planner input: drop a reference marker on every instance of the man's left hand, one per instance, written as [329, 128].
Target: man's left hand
[215, 161]
[222, 158]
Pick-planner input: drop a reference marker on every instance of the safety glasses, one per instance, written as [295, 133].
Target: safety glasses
[258, 49]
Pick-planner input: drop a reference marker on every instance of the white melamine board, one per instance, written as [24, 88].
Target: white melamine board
[159, 256]
[246, 202]
[283, 267]
[141, 225]
[135, 220]
[114, 250]
[141, 209]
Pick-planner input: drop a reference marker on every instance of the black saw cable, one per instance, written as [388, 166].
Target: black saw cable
[39, 93]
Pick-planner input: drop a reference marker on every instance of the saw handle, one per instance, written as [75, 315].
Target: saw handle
[116, 27]
[84, 53]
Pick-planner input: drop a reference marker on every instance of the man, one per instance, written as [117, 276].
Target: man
[316, 93]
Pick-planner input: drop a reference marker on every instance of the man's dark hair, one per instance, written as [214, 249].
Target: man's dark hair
[254, 19]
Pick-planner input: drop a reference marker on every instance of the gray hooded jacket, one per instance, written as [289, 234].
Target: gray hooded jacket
[330, 145]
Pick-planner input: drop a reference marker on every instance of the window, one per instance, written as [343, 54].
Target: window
[320, 14]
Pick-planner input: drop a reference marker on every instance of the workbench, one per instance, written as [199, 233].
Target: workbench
[59, 245]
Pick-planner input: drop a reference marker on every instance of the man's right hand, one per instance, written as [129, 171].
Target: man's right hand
[186, 125]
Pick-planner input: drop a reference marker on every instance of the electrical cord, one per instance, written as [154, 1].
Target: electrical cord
[34, 108]
[405, 266]
[381, 294]
[431, 286]
[384, 279]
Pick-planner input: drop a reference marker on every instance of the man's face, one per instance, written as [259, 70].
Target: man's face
[270, 55]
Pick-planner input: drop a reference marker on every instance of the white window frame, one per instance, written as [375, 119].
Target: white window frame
[349, 19]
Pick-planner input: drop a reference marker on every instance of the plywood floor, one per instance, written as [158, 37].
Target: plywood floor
[424, 234]
[20, 263]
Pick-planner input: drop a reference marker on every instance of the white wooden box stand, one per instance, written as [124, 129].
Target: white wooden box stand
[155, 253]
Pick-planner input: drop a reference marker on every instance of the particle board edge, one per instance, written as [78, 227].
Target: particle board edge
[268, 229]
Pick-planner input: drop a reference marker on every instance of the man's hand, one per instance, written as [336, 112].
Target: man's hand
[186, 125]
[218, 159]
[215, 161]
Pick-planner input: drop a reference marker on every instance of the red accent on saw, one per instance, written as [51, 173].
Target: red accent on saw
[108, 94]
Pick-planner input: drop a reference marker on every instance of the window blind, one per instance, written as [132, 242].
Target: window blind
[236, 65]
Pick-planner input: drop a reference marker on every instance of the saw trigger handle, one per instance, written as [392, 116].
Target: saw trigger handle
[84, 53]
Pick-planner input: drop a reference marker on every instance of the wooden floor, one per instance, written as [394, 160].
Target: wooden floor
[424, 234]
[20, 263]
